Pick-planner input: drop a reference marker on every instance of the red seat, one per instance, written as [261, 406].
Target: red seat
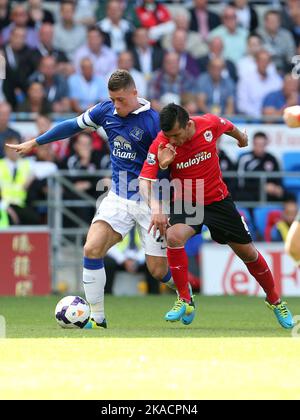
[273, 217]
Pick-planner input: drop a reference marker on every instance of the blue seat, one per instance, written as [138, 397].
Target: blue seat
[260, 215]
[291, 162]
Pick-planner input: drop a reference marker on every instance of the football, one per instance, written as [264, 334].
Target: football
[72, 312]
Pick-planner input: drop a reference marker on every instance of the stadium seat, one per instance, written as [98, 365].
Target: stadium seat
[291, 162]
[272, 218]
[260, 215]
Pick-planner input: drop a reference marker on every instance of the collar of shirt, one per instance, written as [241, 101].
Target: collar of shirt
[145, 107]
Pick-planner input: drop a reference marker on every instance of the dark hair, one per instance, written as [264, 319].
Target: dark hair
[260, 134]
[12, 139]
[172, 113]
[120, 79]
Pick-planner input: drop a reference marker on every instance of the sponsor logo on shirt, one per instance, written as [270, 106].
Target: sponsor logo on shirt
[123, 149]
[200, 157]
[151, 159]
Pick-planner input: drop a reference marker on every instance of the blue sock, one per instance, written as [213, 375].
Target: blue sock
[93, 263]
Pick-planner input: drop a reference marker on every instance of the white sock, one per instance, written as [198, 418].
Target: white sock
[94, 283]
[170, 283]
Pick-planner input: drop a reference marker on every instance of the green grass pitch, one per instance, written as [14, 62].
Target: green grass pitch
[234, 349]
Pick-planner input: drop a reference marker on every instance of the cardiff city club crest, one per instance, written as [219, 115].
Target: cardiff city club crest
[208, 135]
[137, 133]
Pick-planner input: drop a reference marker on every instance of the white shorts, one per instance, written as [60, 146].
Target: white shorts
[122, 215]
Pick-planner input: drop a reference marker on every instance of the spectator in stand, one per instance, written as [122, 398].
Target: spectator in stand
[246, 15]
[248, 62]
[84, 158]
[250, 99]
[35, 101]
[5, 130]
[127, 6]
[68, 35]
[37, 15]
[277, 40]
[55, 85]
[203, 21]
[233, 36]
[104, 59]
[169, 81]
[85, 12]
[275, 102]
[147, 58]
[156, 17]
[296, 28]
[21, 62]
[216, 49]
[258, 160]
[186, 61]
[288, 12]
[5, 11]
[279, 232]
[118, 30]
[215, 92]
[126, 62]
[45, 45]
[15, 178]
[20, 19]
[86, 88]
[195, 46]
[226, 164]
[59, 148]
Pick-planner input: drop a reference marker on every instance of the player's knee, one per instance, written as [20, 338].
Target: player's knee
[92, 251]
[157, 272]
[174, 239]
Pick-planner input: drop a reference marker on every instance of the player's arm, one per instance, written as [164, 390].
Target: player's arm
[291, 116]
[61, 131]
[240, 136]
[159, 220]
[147, 178]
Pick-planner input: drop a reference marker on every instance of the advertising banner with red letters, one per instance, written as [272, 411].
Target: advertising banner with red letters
[225, 274]
[25, 262]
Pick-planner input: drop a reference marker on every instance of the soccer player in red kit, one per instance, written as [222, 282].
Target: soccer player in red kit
[187, 146]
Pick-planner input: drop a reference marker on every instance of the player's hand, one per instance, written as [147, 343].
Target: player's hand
[23, 148]
[166, 155]
[243, 142]
[291, 116]
[159, 221]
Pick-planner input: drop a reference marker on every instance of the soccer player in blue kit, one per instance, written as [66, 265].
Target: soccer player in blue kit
[131, 126]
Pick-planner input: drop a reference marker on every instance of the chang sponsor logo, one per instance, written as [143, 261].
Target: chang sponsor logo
[123, 149]
[200, 157]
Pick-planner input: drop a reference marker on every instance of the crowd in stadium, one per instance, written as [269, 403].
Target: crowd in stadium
[227, 58]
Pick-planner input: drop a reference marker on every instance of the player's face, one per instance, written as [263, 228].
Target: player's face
[178, 135]
[124, 100]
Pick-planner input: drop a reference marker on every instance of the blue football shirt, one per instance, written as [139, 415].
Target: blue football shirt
[129, 139]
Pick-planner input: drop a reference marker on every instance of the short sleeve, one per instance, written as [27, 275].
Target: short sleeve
[221, 125]
[94, 117]
[151, 167]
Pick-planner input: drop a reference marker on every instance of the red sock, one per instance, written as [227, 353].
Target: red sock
[262, 273]
[178, 263]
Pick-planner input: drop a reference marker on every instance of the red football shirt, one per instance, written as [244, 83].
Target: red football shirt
[196, 159]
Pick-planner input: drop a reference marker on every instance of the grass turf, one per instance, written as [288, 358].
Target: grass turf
[233, 349]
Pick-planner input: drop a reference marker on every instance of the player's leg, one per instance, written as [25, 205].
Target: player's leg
[184, 308]
[258, 267]
[101, 237]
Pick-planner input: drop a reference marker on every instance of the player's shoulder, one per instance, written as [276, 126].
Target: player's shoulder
[160, 138]
[104, 106]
